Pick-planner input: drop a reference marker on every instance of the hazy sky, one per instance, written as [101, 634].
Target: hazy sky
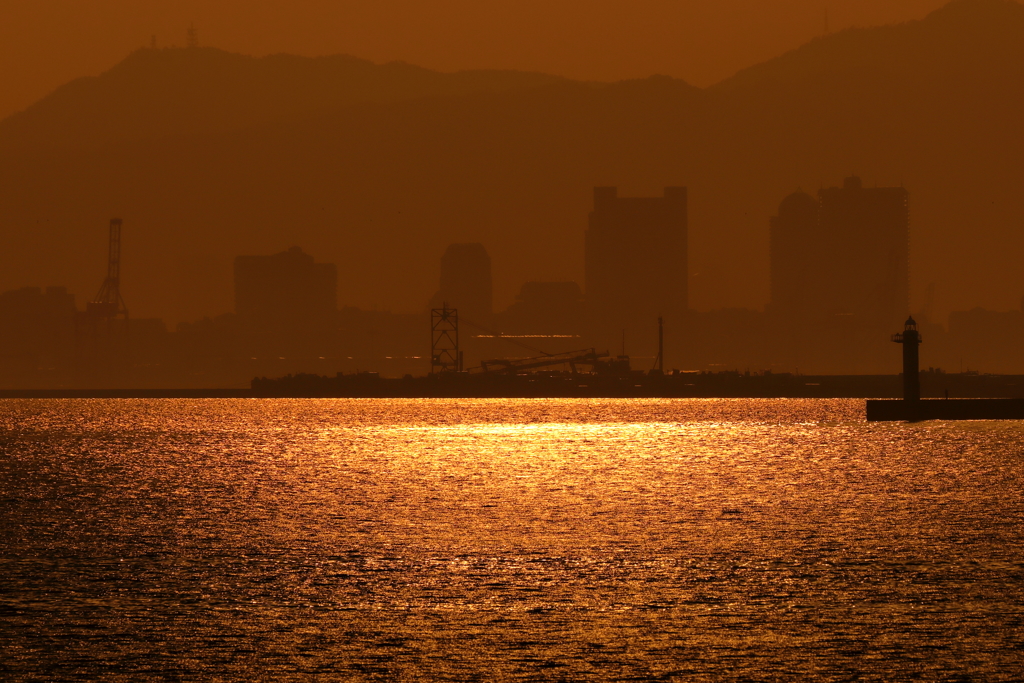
[45, 43]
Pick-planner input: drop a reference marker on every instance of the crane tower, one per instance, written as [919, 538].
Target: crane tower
[108, 304]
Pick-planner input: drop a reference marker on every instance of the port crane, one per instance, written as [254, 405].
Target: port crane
[108, 303]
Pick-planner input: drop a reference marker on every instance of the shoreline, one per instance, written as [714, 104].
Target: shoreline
[636, 385]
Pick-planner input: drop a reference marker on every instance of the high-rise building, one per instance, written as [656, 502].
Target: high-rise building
[545, 308]
[840, 273]
[285, 287]
[866, 235]
[847, 253]
[795, 261]
[636, 259]
[466, 282]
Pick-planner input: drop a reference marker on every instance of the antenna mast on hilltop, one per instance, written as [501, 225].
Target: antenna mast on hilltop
[193, 36]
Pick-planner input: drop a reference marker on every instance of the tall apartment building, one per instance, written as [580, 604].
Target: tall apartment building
[636, 259]
[840, 266]
[846, 253]
[287, 286]
[465, 282]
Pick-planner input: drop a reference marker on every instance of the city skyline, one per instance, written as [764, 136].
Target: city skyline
[377, 170]
[214, 154]
[839, 267]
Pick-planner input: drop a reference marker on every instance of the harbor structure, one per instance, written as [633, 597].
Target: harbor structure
[108, 304]
[102, 351]
[913, 408]
[910, 339]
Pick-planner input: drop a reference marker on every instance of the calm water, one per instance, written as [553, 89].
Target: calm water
[690, 540]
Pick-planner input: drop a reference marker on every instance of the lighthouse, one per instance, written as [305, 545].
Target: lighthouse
[913, 408]
[910, 338]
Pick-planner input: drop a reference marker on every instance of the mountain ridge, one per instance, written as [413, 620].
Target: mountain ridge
[893, 47]
[170, 91]
[162, 94]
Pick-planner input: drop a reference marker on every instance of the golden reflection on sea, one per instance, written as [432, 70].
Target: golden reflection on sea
[507, 540]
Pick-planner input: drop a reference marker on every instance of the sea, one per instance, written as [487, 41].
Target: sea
[506, 540]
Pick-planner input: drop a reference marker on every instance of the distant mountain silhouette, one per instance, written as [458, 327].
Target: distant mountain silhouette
[948, 42]
[156, 92]
[207, 155]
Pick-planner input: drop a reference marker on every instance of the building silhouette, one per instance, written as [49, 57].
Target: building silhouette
[796, 264]
[285, 287]
[38, 333]
[866, 233]
[286, 303]
[465, 282]
[846, 253]
[840, 270]
[545, 308]
[636, 260]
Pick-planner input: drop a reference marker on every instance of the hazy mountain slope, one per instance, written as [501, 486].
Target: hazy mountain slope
[153, 93]
[945, 43]
[381, 187]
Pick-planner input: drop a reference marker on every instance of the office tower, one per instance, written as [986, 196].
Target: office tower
[466, 282]
[636, 259]
[845, 254]
[284, 287]
[840, 274]
[795, 263]
[866, 235]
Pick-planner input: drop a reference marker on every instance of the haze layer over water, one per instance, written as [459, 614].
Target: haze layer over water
[506, 539]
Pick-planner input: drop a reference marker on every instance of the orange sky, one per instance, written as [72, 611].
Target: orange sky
[44, 43]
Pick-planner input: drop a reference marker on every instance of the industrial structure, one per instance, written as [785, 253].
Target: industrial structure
[102, 350]
[599, 363]
[445, 354]
[108, 304]
[659, 360]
